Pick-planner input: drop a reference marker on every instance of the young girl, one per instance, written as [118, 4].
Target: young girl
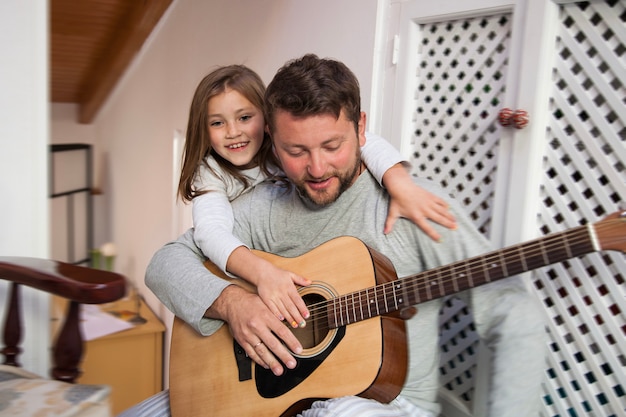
[227, 153]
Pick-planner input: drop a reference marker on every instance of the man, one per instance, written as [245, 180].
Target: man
[317, 127]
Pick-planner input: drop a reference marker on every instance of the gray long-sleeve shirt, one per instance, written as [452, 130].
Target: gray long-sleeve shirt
[275, 219]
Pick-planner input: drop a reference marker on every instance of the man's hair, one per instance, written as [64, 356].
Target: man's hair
[310, 86]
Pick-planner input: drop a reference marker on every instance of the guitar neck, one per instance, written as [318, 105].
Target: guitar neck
[462, 275]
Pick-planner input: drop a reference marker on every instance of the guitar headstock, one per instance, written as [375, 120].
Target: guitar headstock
[611, 232]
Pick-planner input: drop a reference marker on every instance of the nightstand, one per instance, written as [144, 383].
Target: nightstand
[129, 361]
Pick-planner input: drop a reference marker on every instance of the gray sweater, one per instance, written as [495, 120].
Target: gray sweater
[275, 219]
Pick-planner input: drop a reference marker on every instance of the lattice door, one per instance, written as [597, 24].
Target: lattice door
[461, 79]
[461, 74]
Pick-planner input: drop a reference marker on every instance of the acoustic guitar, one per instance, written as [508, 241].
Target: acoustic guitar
[354, 302]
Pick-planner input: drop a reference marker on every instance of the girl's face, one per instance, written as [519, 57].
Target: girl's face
[236, 128]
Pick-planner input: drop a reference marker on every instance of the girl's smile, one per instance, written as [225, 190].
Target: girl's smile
[238, 145]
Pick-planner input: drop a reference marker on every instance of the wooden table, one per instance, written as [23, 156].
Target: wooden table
[130, 361]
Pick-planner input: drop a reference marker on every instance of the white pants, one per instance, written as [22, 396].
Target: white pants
[159, 406]
[362, 407]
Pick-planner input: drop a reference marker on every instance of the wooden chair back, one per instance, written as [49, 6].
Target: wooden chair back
[77, 284]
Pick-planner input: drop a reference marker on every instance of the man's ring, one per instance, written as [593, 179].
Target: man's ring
[257, 345]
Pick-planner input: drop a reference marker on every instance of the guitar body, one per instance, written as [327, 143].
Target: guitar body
[367, 358]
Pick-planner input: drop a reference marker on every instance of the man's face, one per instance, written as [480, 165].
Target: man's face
[319, 154]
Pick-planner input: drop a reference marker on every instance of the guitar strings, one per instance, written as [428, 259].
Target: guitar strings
[347, 306]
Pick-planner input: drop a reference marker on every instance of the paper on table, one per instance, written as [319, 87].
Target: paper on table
[97, 323]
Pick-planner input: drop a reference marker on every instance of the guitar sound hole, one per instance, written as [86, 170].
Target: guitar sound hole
[316, 328]
[317, 335]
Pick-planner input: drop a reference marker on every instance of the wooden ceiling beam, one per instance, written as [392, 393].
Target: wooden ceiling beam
[109, 67]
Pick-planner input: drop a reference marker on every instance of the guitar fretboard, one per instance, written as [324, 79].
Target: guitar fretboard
[459, 276]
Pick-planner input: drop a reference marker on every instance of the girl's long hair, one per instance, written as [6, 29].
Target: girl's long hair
[197, 144]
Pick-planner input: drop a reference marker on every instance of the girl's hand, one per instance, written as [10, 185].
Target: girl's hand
[277, 288]
[414, 203]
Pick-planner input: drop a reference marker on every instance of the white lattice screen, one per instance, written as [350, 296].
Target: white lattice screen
[585, 179]
[461, 78]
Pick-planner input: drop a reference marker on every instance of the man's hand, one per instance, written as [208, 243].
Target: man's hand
[264, 337]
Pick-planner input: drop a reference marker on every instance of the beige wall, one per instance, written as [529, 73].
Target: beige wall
[133, 134]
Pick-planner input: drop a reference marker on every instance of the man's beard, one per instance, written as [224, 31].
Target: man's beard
[326, 197]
